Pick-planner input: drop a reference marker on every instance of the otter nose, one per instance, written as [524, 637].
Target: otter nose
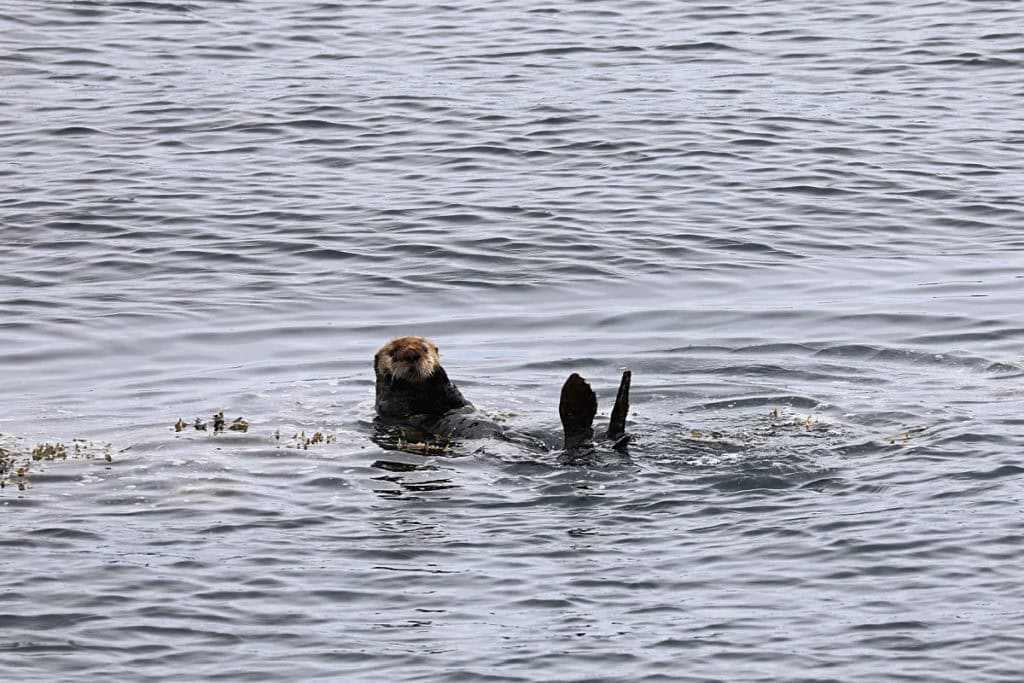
[409, 355]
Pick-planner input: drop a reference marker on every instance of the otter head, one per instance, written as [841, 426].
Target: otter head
[412, 359]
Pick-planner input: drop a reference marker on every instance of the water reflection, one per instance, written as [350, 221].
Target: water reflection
[404, 477]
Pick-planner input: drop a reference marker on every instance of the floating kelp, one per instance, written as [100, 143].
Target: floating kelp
[50, 451]
[904, 436]
[819, 423]
[13, 468]
[239, 424]
[412, 440]
[777, 424]
[301, 440]
[18, 462]
[436, 447]
[220, 424]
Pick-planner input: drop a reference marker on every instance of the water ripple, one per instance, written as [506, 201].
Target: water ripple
[796, 226]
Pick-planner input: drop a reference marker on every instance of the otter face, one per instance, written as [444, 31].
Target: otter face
[412, 359]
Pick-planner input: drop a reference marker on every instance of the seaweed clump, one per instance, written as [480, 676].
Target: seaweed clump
[12, 470]
[16, 464]
[239, 424]
[301, 440]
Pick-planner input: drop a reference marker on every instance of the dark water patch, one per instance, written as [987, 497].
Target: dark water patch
[1001, 472]
[312, 124]
[813, 190]
[826, 484]
[69, 131]
[58, 533]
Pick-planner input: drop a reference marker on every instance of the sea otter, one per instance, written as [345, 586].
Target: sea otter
[413, 389]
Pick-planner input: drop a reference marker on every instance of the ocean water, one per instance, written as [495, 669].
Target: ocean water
[798, 224]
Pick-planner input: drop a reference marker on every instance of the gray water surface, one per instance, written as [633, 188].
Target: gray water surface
[799, 224]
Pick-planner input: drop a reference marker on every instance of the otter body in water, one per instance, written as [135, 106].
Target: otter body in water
[413, 388]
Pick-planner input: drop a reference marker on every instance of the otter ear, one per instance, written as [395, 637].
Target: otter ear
[376, 364]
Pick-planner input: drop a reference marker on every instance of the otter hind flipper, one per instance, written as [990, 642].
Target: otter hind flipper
[617, 423]
[577, 408]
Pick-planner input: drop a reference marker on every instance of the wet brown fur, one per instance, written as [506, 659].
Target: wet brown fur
[411, 384]
[407, 358]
